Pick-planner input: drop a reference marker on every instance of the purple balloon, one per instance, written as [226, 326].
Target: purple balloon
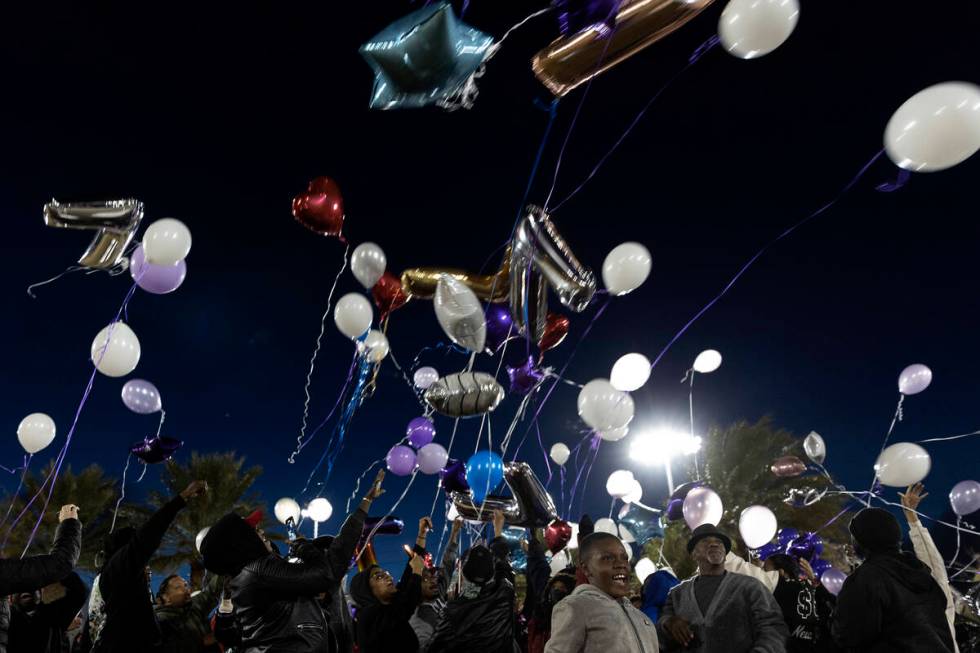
[786, 535]
[576, 15]
[499, 324]
[141, 397]
[833, 580]
[400, 460]
[421, 431]
[819, 566]
[156, 279]
[965, 497]
[155, 450]
[432, 458]
[767, 550]
[525, 377]
[453, 476]
[806, 546]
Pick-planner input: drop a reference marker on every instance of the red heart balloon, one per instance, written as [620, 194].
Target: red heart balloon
[557, 535]
[388, 294]
[320, 208]
[555, 331]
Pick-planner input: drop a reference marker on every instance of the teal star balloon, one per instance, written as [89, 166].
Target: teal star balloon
[426, 57]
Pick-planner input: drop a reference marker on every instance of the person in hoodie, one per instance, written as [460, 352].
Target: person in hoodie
[718, 611]
[183, 617]
[39, 620]
[30, 573]
[274, 601]
[483, 618]
[598, 617]
[435, 586]
[802, 599]
[890, 602]
[656, 587]
[122, 587]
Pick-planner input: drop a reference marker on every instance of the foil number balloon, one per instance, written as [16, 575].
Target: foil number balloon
[114, 223]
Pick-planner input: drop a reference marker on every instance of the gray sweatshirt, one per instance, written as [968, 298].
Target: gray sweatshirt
[591, 621]
[743, 617]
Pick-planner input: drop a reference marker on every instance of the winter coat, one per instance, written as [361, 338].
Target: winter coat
[183, 629]
[43, 629]
[743, 617]
[655, 590]
[926, 551]
[384, 627]
[591, 621]
[427, 616]
[486, 622]
[130, 626]
[33, 573]
[891, 603]
[276, 608]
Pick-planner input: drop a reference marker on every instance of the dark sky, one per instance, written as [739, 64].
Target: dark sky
[218, 116]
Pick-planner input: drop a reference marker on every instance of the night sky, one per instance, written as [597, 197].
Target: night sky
[218, 116]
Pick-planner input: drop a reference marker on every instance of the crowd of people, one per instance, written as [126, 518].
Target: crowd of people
[257, 600]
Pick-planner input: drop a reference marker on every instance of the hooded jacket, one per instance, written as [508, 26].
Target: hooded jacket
[427, 616]
[183, 629]
[33, 573]
[591, 621]
[892, 604]
[384, 627]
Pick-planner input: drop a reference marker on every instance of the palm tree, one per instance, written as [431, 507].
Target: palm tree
[736, 466]
[229, 490]
[91, 490]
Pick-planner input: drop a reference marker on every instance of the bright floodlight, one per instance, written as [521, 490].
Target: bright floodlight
[320, 509]
[657, 447]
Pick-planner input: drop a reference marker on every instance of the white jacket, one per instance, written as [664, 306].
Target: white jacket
[928, 554]
[591, 621]
[736, 565]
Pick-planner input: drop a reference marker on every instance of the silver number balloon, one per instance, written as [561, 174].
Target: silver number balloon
[114, 222]
[540, 257]
[465, 394]
[530, 506]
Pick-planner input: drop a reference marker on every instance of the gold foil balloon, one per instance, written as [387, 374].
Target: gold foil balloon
[421, 282]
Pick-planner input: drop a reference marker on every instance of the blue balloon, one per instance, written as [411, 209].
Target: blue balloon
[819, 566]
[426, 57]
[643, 524]
[484, 472]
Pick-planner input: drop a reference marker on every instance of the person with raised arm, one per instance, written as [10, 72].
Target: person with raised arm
[435, 587]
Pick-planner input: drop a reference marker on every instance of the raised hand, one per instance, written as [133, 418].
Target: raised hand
[911, 499]
[808, 571]
[498, 523]
[417, 564]
[195, 489]
[69, 511]
[376, 489]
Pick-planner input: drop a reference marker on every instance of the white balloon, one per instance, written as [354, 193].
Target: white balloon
[200, 537]
[286, 509]
[914, 379]
[644, 567]
[619, 483]
[630, 372]
[460, 314]
[625, 535]
[635, 493]
[35, 432]
[603, 407]
[166, 242]
[707, 361]
[628, 548]
[368, 263]
[319, 509]
[815, 448]
[353, 315]
[702, 506]
[757, 526]
[573, 542]
[752, 28]
[560, 561]
[121, 355]
[560, 453]
[615, 435]
[606, 525]
[936, 128]
[375, 346]
[903, 464]
[626, 267]
[424, 377]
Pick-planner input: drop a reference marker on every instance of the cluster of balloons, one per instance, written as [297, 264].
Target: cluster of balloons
[808, 546]
[421, 452]
[157, 265]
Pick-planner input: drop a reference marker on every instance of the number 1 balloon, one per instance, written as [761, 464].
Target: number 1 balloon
[114, 223]
[465, 394]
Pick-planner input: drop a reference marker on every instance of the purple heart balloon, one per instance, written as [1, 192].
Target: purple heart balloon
[421, 431]
[156, 279]
[525, 377]
[577, 15]
[453, 476]
[155, 450]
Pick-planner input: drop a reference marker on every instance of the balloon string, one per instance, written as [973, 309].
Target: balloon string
[69, 270]
[143, 473]
[449, 450]
[60, 459]
[301, 440]
[612, 506]
[27, 458]
[895, 420]
[959, 522]
[122, 493]
[561, 504]
[544, 453]
[163, 416]
[357, 485]
[340, 431]
[690, 402]
[757, 255]
[13, 499]
[588, 471]
[967, 567]
[693, 59]
[593, 447]
[951, 437]
[860, 495]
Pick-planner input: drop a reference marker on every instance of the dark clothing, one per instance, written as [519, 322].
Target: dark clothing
[802, 613]
[705, 588]
[183, 629]
[427, 616]
[230, 544]
[537, 606]
[485, 623]
[130, 626]
[42, 630]
[892, 604]
[276, 609]
[33, 573]
[385, 628]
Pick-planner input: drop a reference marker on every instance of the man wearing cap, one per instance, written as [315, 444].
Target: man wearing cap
[890, 602]
[721, 612]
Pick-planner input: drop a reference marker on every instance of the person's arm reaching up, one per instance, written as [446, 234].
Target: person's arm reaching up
[737, 565]
[30, 573]
[341, 550]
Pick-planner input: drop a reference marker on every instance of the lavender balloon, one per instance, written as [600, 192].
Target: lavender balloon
[421, 431]
[141, 397]
[432, 458]
[400, 460]
[499, 325]
[965, 497]
[156, 279]
[833, 580]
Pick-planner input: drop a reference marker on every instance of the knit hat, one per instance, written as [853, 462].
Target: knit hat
[230, 545]
[708, 530]
[360, 588]
[876, 530]
[478, 567]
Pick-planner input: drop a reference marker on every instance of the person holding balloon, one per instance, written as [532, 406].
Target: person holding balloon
[803, 601]
[435, 588]
[891, 602]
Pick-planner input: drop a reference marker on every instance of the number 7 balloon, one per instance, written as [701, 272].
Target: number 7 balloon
[114, 223]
